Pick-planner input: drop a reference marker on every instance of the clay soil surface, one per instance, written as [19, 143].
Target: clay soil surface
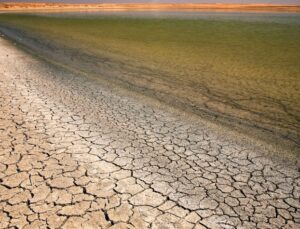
[77, 154]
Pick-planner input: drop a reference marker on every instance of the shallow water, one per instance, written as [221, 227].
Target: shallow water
[272, 17]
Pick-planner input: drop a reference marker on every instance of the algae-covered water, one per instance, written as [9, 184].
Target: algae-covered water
[242, 69]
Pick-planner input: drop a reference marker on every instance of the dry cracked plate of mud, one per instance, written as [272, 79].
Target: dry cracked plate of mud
[74, 154]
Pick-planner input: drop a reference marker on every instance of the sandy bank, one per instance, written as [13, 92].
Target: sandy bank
[214, 7]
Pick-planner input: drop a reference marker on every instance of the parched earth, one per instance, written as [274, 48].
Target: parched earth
[76, 154]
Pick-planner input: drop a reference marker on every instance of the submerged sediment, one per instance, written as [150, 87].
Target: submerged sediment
[259, 116]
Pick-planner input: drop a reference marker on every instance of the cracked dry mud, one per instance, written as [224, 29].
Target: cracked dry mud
[73, 154]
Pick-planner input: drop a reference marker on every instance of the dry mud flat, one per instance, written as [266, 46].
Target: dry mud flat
[74, 154]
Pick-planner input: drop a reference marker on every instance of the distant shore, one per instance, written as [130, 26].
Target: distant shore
[120, 7]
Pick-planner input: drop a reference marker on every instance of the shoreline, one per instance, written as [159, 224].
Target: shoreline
[27, 7]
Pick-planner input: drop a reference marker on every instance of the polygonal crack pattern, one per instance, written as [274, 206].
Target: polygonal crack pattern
[74, 154]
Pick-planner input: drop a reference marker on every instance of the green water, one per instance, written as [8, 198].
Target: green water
[247, 70]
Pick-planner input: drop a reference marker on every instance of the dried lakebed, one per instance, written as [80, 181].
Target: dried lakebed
[75, 154]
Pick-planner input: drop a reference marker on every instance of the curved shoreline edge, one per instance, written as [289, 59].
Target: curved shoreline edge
[278, 142]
